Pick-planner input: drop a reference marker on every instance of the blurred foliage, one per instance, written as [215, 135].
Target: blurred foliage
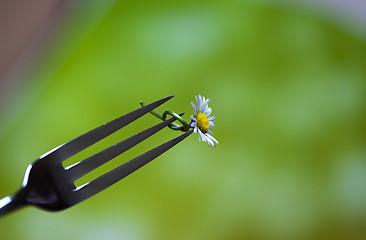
[288, 92]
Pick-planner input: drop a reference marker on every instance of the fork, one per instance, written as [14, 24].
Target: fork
[50, 186]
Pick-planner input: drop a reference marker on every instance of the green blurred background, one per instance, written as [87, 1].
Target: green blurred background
[288, 89]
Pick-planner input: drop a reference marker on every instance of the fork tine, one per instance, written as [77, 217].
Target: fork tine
[83, 167]
[87, 139]
[87, 190]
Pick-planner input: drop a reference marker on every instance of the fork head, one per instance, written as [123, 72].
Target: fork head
[50, 186]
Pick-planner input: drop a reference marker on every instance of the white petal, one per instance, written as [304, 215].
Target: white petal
[210, 142]
[204, 106]
[194, 107]
[197, 103]
[199, 134]
[202, 135]
[211, 118]
[207, 101]
[208, 111]
[211, 124]
[202, 102]
[211, 137]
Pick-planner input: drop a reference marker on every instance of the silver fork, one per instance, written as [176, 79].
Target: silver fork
[50, 186]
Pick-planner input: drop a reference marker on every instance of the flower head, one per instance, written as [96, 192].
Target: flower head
[202, 121]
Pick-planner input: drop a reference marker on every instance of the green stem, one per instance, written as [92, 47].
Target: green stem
[185, 127]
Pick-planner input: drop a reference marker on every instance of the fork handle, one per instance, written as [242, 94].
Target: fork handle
[11, 203]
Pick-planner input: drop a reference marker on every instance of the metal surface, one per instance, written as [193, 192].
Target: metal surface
[50, 186]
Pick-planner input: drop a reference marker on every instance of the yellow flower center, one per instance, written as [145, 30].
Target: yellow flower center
[202, 122]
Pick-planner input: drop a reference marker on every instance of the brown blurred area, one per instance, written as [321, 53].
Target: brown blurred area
[24, 29]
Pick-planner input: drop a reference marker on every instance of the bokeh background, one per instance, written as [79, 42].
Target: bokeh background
[288, 86]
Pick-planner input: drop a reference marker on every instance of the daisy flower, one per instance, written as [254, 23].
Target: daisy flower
[202, 121]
